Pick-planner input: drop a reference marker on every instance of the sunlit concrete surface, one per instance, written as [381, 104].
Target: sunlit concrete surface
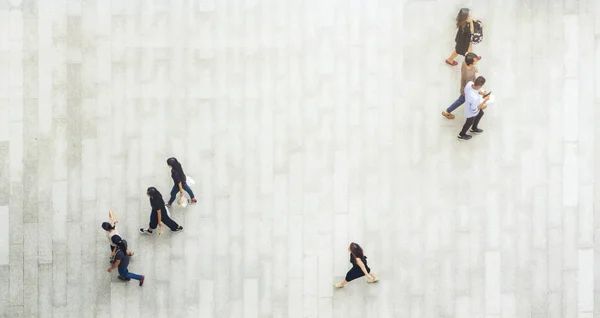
[307, 124]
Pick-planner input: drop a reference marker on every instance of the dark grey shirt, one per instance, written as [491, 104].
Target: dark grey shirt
[124, 258]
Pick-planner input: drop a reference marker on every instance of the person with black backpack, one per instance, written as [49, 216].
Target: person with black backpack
[122, 261]
[469, 31]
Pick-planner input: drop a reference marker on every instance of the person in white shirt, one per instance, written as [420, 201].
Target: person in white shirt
[111, 230]
[474, 107]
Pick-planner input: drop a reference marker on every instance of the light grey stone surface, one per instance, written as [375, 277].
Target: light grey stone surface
[306, 125]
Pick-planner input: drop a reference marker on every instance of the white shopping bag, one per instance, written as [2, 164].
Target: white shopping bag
[189, 180]
[182, 201]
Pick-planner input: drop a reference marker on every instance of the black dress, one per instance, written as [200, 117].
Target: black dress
[463, 39]
[355, 272]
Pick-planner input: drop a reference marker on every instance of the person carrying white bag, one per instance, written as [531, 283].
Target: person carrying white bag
[179, 183]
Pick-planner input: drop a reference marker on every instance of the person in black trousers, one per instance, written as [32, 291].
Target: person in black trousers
[359, 266]
[179, 181]
[474, 107]
[158, 215]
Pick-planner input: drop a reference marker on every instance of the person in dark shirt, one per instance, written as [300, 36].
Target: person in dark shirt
[359, 267]
[465, 27]
[179, 181]
[122, 261]
[158, 215]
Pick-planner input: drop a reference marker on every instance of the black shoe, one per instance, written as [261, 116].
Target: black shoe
[476, 130]
[465, 137]
[179, 229]
[145, 231]
[123, 278]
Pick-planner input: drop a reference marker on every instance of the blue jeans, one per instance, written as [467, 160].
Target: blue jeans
[176, 189]
[458, 102]
[126, 274]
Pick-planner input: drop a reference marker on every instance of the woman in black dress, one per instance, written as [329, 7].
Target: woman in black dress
[464, 24]
[158, 216]
[359, 266]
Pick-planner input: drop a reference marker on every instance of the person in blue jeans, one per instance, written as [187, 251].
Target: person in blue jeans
[122, 261]
[468, 73]
[179, 181]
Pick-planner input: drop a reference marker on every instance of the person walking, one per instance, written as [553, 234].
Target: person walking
[179, 181]
[122, 262]
[359, 267]
[158, 215]
[465, 26]
[468, 73]
[111, 230]
[474, 107]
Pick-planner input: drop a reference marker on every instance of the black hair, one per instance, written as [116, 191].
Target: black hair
[177, 166]
[357, 251]
[461, 18]
[479, 81]
[121, 243]
[107, 226]
[470, 58]
[153, 192]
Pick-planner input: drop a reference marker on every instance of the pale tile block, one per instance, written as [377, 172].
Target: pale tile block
[539, 281]
[570, 113]
[295, 299]
[493, 279]
[570, 176]
[570, 298]
[463, 306]
[586, 216]
[251, 297]
[585, 280]
[4, 232]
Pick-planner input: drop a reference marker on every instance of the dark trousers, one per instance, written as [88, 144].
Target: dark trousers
[471, 121]
[175, 190]
[164, 217]
[355, 272]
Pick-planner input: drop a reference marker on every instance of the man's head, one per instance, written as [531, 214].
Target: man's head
[479, 81]
[471, 59]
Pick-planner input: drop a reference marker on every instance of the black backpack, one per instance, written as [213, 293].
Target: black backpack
[477, 35]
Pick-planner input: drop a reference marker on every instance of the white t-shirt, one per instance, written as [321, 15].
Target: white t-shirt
[111, 234]
[472, 100]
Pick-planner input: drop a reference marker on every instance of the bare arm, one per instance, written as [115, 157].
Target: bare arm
[158, 213]
[360, 264]
[115, 265]
[111, 215]
[180, 188]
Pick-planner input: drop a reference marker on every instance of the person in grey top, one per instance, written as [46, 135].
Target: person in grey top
[468, 72]
[122, 262]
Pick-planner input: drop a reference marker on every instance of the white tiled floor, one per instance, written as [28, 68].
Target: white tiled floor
[307, 124]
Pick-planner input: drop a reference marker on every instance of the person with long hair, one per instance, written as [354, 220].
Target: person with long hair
[359, 267]
[465, 26]
[111, 230]
[179, 181]
[158, 215]
[122, 261]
